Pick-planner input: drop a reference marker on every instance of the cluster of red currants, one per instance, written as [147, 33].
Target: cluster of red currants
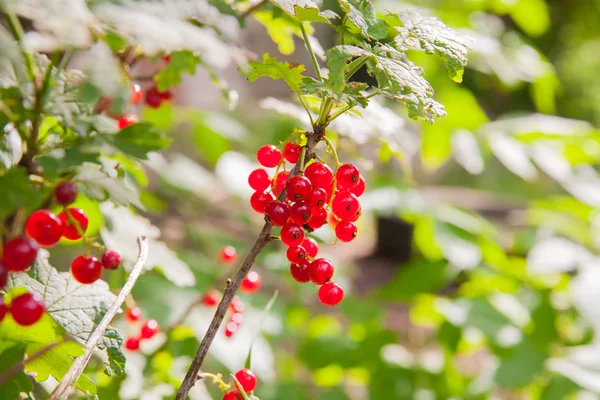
[147, 330]
[310, 199]
[247, 381]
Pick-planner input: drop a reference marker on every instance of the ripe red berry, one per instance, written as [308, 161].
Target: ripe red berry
[133, 314]
[331, 294]
[236, 305]
[136, 94]
[300, 212]
[111, 259]
[44, 227]
[292, 234]
[65, 193]
[300, 271]
[296, 254]
[345, 205]
[346, 177]
[19, 253]
[277, 213]
[320, 271]
[70, 230]
[251, 282]
[127, 120]
[86, 269]
[211, 298]
[259, 200]
[346, 231]
[132, 343]
[311, 246]
[228, 254]
[359, 188]
[153, 98]
[268, 156]
[291, 152]
[357, 215]
[247, 379]
[320, 175]
[279, 182]
[231, 328]
[3, 275]
[166, 58]
[233, 394]
[298, 188]
[149, 329]
[27, 309]
[3, 308]
[319, 216]
[259, 180]
[318, 197]
[166, 95]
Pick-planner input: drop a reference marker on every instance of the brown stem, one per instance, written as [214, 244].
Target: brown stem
[229, 293]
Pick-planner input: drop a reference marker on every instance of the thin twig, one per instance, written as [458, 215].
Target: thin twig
[252, 8]
[310, 50]
[79, 364]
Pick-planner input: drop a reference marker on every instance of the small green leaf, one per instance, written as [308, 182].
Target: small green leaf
[12, 354]
[270, 67]
[313, 14]
[138, 140]
[351, 95]
[281, 29]
[337, 58]
[521, 366]
[17, 191]
[362, 14]
[180, 63]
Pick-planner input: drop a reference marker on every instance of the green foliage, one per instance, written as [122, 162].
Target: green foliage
[181, 62]
[270, 67]
[18, 192]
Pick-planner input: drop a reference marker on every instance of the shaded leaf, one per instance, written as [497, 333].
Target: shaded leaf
[351, 95]
[270, 67]
[337, 58]
[17, 191]
[521, 366]
[138, 140]
[12, 353]
[99, 185]
[362, 14]
[181, 62]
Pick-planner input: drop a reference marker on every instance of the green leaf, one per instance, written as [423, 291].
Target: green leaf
[425, 239]
[181, 62]
[57, 162]
[524, 362]
[351, 95]
[415, 278]
[270, 67]
[337, 58]
[17, 191]
[305, 10]
[138, 140]
[11, 354]
[559, 388]
[532, 16]
[486, 317]
[281, 28]
[99, 185]
[362, 14]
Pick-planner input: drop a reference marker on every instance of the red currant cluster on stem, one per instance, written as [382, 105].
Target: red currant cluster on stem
[305, 203]
[244, 383]
[148, 328]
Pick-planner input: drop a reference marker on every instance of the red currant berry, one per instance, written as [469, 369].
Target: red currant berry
[70, 230]
[86, 269]
[166, 58]
[153, 98]
[251, 282]
[233, 394]
[136, 94]
[311, 246]
[359, 189]
[19, 253]
[291, 152]
[319, 216]
[318, 197]
[320, 271]
[298, 188]
[166, 95]
[3, 309]
[211, 298]
[3, 275]
[228, 254]
[111, 259]
[296, 254]
[357, 215]
[27, 309]
[236, 305]
[247, 379]
[127, 120]
[259, 180]
[331, 294]
[259, 200]
[132, 343]
[300, 212]
[44, 227]
[277, 213]
[65, 193]
[345, 205]
[149, 329]
[292, 234]
[346, 177]
[279, 182]
[300, 272]
[231, 328]
[319, 174]
[268, 156]
[133, 314]
[346, 231]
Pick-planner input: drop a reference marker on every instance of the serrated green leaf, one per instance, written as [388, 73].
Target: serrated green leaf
[138, 140]
[362, 14]
[337, 58]
[352, 94]
[56, 162]
[12, 354]
[181, 62]
[281, 29]
[313, 14]
[270, 67]
[99, 185]
[17, 191]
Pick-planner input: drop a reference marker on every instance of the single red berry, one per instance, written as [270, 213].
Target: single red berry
[298, 188]
[346, 231]
[3, 275]
[247, 379]
[19, 253]
[65, 193]
[27, 309]
[127, 120]
[133, 314]
[228, 254]
[166, 95]
[153, 98]
[111, 259]
[320, 271]
[357, 215]
[236, 305]
[233, 394]
[319, 216]
[166, 58]
[277, 213]
[251, 282]
[136, 94]
[331, 294]
[359, 188]
[296, 254]
[346, 177]
[300, 212]
[259, 200]
[211, 298]
[311, 246]
[318, 197]
[291, 152]
[292, 234]
[44, 227]
[70, 230]
[345, 205]
[3, 308]
[132, 343]
[86, 269]
[149, 329]
[320, 174]
[259, 180]
[231, 328]
[279, 182]
[268, 156]
[300, 272]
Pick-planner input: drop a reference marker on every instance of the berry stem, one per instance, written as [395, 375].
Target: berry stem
[311, 52]
[302, 160]
[354, 66]
[215, 379]
[312, 121]
[332, 149]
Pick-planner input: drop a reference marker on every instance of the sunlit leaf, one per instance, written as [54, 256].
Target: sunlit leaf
[270, 67]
